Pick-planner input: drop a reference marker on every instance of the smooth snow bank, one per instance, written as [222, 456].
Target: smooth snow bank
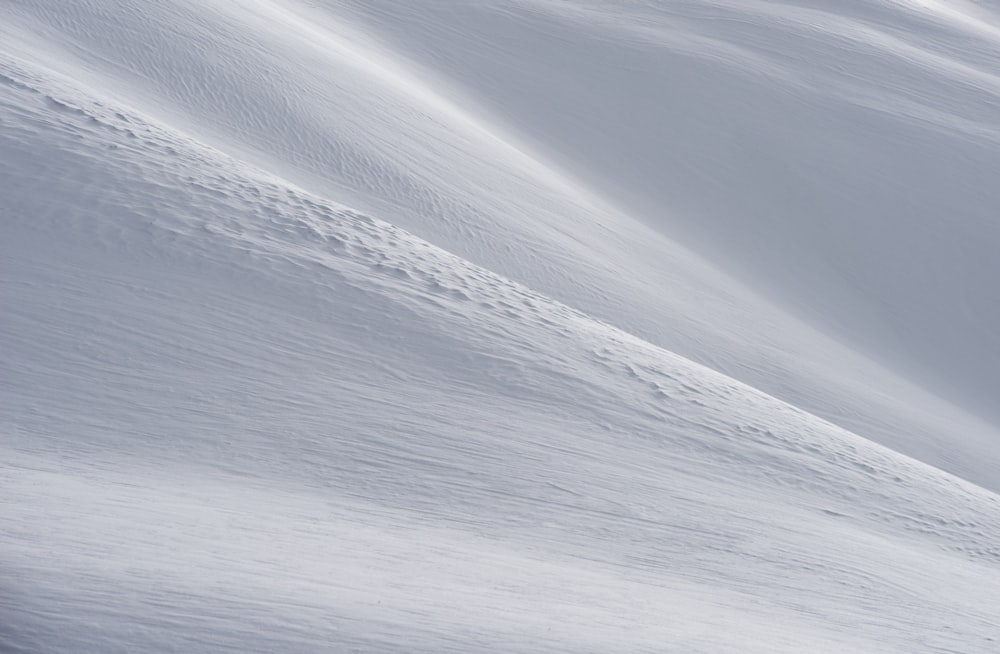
[840, 155]
[237, 416]
[241, 418]
[843, 248]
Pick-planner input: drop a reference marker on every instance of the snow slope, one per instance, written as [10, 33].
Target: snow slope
[238, 416]
[313, 93]
[841, 155]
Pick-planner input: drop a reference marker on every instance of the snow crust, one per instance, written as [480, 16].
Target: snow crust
[500, 326]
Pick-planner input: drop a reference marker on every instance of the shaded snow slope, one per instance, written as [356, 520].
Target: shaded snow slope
[841, 155]
[238, 416]
[464, 135]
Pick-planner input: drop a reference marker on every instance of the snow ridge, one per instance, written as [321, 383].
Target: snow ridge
[239, 416]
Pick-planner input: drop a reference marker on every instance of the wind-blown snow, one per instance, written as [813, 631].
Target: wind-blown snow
[659, 340]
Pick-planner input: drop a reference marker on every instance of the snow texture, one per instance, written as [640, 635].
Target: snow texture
[500, 326]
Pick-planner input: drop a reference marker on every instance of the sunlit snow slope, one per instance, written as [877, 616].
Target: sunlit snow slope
[650, 326]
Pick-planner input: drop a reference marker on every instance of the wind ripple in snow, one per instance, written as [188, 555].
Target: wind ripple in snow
[239, 417]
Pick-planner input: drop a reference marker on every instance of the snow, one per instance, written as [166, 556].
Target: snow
[502, 326]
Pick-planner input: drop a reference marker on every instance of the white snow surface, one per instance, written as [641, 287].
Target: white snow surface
[499, 326]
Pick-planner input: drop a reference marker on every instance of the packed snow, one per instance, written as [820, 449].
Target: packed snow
[501, 326]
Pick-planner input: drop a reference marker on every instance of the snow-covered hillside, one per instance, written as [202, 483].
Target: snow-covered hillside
[532, 325]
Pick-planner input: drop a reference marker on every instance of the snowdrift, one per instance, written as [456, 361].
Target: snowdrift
[536, 326]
